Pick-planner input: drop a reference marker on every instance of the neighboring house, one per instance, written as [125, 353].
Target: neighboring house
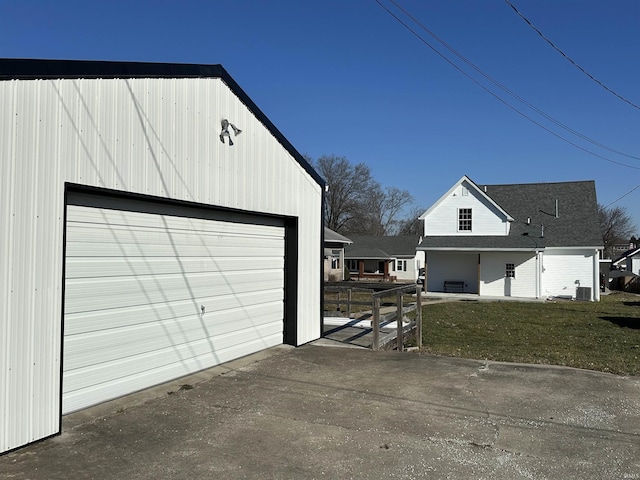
[532, 240]
[334, 265]
[391, 257]
[629, 260]
[620, 249]
[138, 243]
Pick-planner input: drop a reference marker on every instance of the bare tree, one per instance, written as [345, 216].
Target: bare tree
[387, 208]
[347, 191]
[355, 202]
[410, 225]
[616, 226]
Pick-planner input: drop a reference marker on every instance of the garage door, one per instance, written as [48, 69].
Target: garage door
[150, 297]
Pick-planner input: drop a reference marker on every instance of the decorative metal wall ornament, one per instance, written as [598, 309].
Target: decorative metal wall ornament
[225, 131]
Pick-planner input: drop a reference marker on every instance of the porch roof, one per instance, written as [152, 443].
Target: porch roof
[363, 253]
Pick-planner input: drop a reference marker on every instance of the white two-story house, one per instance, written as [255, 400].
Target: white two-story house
[534, 240]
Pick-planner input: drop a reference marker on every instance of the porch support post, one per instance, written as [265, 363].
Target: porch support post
[426, 272]
[596, 276]
[479, 273]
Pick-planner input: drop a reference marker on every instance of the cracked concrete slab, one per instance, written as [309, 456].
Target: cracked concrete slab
[320, 412]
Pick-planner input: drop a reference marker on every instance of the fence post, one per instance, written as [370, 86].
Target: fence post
[376, 324]
[349, 303]
[419, 317]
[399, 323]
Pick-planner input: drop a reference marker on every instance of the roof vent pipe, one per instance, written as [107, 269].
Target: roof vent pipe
[556, 208]
[541, 231]
[528, 220]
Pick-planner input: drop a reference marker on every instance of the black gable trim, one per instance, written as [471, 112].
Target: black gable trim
[30, 69]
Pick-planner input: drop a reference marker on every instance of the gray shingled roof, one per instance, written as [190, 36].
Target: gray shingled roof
[364, 247]
[533, 205]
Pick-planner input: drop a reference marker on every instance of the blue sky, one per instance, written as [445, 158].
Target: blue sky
[346, 78]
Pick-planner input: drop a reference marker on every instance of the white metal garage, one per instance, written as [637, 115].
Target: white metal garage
[151, 297]
[125, 209]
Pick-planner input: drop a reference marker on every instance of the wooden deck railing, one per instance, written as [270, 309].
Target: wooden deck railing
[375, 302]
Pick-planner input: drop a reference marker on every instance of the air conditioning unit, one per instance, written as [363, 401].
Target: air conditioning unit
[583, 293]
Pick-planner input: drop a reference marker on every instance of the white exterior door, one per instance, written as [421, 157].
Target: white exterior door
[151, 297]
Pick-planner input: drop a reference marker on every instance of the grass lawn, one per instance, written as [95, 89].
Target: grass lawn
[602, 336]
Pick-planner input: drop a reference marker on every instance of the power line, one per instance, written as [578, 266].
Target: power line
[569, 58]
[423, 40]
[620, 198]
[512, 93]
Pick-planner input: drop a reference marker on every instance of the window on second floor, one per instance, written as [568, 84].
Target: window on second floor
[464, 219]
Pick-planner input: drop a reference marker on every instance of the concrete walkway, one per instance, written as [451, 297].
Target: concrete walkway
[338, 413]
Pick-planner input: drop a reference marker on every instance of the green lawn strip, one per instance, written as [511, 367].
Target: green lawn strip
[603, 336]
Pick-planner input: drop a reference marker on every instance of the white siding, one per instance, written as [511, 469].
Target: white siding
[156, 137]
[563, 270]
[493, 281]
[413, 264]
[486, 219]
[443, 266]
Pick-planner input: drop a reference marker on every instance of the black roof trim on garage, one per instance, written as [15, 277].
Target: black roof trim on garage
[36, 69]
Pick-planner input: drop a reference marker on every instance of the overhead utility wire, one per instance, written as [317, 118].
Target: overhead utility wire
[621, 197]
[569, 58]
[416, 34]
[510, 92]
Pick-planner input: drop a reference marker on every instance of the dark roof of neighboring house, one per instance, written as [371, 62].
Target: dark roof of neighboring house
[533, 208]
[36, 69]
[364, 247]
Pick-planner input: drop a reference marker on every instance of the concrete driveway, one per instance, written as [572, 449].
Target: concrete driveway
[320, 412]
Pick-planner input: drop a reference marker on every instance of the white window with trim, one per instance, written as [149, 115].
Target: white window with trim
[464, 219]
[401, 266]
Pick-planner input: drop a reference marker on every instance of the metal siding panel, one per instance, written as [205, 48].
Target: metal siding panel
[150, 136]
[29, 216]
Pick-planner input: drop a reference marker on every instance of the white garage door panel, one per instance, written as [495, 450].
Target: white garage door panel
[90, 321]
[79, 268]
[227, 248]
[78, 399]
[101, 373]
[114, 292]
[105, 346]
[135, 284]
